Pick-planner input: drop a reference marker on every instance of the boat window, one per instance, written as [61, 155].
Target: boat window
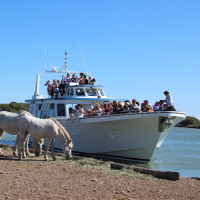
[61, 109]
[52, 110]
[71, 108]
[45, 111]
[80, 92]
[92, 92]
[102, 92]
[38, 111]
[70, 92]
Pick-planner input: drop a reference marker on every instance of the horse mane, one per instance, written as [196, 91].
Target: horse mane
[25, 112]
[63, 130]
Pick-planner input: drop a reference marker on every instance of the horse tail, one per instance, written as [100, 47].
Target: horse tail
[61, 128]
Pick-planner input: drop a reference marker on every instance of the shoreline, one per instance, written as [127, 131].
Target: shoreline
[169, 175]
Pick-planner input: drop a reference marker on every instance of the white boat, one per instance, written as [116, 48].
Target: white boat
[128, 136]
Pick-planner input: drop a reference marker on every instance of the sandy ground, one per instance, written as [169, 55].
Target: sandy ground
[34, 178]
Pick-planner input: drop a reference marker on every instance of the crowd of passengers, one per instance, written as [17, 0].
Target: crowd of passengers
[119, 107]
[57, 87]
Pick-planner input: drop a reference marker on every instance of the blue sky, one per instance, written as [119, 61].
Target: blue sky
[136, 49]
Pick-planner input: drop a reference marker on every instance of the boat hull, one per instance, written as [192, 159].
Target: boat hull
[130, 136]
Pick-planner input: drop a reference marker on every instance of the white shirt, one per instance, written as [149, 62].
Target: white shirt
[169, 100]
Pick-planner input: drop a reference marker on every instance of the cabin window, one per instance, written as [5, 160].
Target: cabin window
[92, 92]
[80, 92]
[45, 111]
[70, 92]
[102, 92]
[71, 108]
[38, 111]
[52, 110]
[61, 109]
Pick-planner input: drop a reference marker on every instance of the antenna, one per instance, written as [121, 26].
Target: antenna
[85, 61]
[66, 61]
[45, 53]
[81, 55]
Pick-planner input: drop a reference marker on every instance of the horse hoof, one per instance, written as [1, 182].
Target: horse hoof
[46, 159]
[54, 159]
[14, 154]
[23, 156]
[27, 154]
[20, 158]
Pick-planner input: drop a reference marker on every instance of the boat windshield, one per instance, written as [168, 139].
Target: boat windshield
[92, 92]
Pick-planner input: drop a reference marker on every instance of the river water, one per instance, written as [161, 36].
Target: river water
[180, 152]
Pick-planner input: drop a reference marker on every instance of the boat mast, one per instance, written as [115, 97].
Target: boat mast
[66, 61]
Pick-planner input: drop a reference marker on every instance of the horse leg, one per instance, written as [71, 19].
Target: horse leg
[15, 148]
[47, 147]
[23, 144]
[26, 145]
[1, 133]
[52, 149]
[19, 148]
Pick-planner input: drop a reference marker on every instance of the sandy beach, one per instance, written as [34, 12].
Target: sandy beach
[34, 178]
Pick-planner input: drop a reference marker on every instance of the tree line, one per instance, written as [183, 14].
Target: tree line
[14, 107]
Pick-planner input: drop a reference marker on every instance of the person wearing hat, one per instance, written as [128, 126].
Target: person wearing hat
[169, 101]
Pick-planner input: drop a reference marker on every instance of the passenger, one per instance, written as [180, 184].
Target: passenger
[156, 106]
[78, 111]
[96, 111]
[73, 79]
[85, 81]
[125, 110]
[165, 107]
[81, 79]
[66, 79]
[142, 106]
[147, 103]
[62, 89]
[49, 87]
[115, 109]
[55, 88]
[87, 113]
[105, 110]
[169, 101]
[58, 82]
[120, 107]
[138, 103]
[133, 106]
[160, 105]
[91, 82]
[147, 108]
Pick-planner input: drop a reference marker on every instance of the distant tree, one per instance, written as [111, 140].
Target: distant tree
[14, 106]
[189, 121]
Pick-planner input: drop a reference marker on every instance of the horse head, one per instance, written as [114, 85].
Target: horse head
[37, 145]
[67, 149]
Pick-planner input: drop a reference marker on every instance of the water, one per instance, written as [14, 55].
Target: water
[180, 152]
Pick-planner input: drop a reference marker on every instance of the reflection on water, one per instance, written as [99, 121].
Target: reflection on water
[179, 152]
[8, 139]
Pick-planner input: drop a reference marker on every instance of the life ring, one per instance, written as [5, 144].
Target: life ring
[49, 89]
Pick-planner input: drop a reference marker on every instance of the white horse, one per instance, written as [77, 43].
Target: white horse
[43, 128]
[8, 124]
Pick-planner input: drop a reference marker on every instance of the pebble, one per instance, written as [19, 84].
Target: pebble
[94, 180]
[1, 172]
